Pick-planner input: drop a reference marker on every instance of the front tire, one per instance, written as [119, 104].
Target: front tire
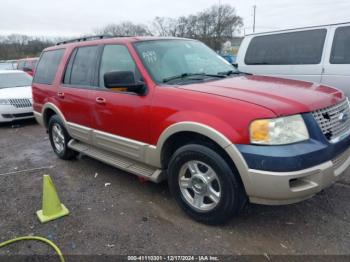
[204, 185]
[59, 139]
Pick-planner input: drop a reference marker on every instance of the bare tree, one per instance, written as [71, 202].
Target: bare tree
[213, 26]
[124, 29]
[19, 46]
[165, 26]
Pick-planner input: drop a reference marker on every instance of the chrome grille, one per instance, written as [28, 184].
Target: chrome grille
[334, 121]
[20, 103]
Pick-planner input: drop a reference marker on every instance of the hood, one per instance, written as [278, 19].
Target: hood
[16, 92]
[282, 96]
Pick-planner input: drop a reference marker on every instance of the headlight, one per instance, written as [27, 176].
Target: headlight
[4, 102]
[278, 131]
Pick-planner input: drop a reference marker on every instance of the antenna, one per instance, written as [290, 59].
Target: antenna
[254, 8]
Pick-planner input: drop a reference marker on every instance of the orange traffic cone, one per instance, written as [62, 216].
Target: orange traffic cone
[52, 208]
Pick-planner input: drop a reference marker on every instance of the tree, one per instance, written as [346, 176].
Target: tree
[125, 29]
[165, 26]
[213, 26]
[19, 46]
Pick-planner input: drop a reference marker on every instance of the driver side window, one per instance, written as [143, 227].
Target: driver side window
[116, 58]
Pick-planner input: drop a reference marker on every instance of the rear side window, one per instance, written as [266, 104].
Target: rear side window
[47, 66]
[81, 67]
[296, 48]
[341, 46]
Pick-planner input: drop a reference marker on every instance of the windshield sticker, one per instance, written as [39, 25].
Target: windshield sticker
[150, 56]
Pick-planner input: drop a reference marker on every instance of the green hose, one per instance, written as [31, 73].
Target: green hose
[46, 241]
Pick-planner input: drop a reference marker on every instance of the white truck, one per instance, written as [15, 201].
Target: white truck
[317, 54]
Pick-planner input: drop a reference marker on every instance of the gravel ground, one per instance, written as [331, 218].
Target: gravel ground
[131, 217]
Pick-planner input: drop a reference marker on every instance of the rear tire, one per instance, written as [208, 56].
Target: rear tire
[59, 139]
[204, 184]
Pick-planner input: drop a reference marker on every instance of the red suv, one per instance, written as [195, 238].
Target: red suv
[170, 108]
[27, 65]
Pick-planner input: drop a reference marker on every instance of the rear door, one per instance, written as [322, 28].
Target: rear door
[337, 63]
[294, 55]
[45, 79]
[74, 94]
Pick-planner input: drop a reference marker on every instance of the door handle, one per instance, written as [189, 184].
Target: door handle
[60, 94]
[100, 100]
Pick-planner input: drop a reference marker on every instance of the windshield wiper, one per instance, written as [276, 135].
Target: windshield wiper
[185, 75]
[260, 63]
[229, 72]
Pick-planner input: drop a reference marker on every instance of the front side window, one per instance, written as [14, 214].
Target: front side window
[116, 58]
[340, 49]
[8, 80]
[295, 48]
[168, 58]
[81, 67]
[47, 66]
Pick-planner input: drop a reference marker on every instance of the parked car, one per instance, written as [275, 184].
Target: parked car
[27, 65]
[230, 58]
[14, 64]
[169, 108]
[317, 54]
[8, 65]
[15, 96]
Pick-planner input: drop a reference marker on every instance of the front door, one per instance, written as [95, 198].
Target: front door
[120, 118]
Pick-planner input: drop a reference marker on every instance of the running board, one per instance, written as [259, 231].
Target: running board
[148, 172]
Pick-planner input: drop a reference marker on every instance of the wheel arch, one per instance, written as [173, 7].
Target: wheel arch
[49, 110]
[178, 134]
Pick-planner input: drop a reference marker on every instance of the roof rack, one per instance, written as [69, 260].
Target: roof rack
[86, 38]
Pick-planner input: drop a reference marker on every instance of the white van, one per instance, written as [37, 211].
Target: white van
[317, 54]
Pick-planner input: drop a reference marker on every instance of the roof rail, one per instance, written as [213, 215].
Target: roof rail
[86, 38]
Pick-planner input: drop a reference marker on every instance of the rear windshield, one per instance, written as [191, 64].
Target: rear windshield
[8, 80]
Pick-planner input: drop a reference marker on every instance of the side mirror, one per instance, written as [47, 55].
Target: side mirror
[124, 79]
[235, 65]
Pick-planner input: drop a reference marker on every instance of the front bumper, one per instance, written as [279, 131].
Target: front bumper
[279, 188]
[9, 113]
[284, 174]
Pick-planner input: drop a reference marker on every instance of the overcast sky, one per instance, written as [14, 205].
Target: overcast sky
[76, 17]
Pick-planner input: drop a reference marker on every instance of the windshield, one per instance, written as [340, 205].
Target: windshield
[166, 59]
[8, 80]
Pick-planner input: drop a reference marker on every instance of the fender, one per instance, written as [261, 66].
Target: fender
[153, 153]
[41, 115]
